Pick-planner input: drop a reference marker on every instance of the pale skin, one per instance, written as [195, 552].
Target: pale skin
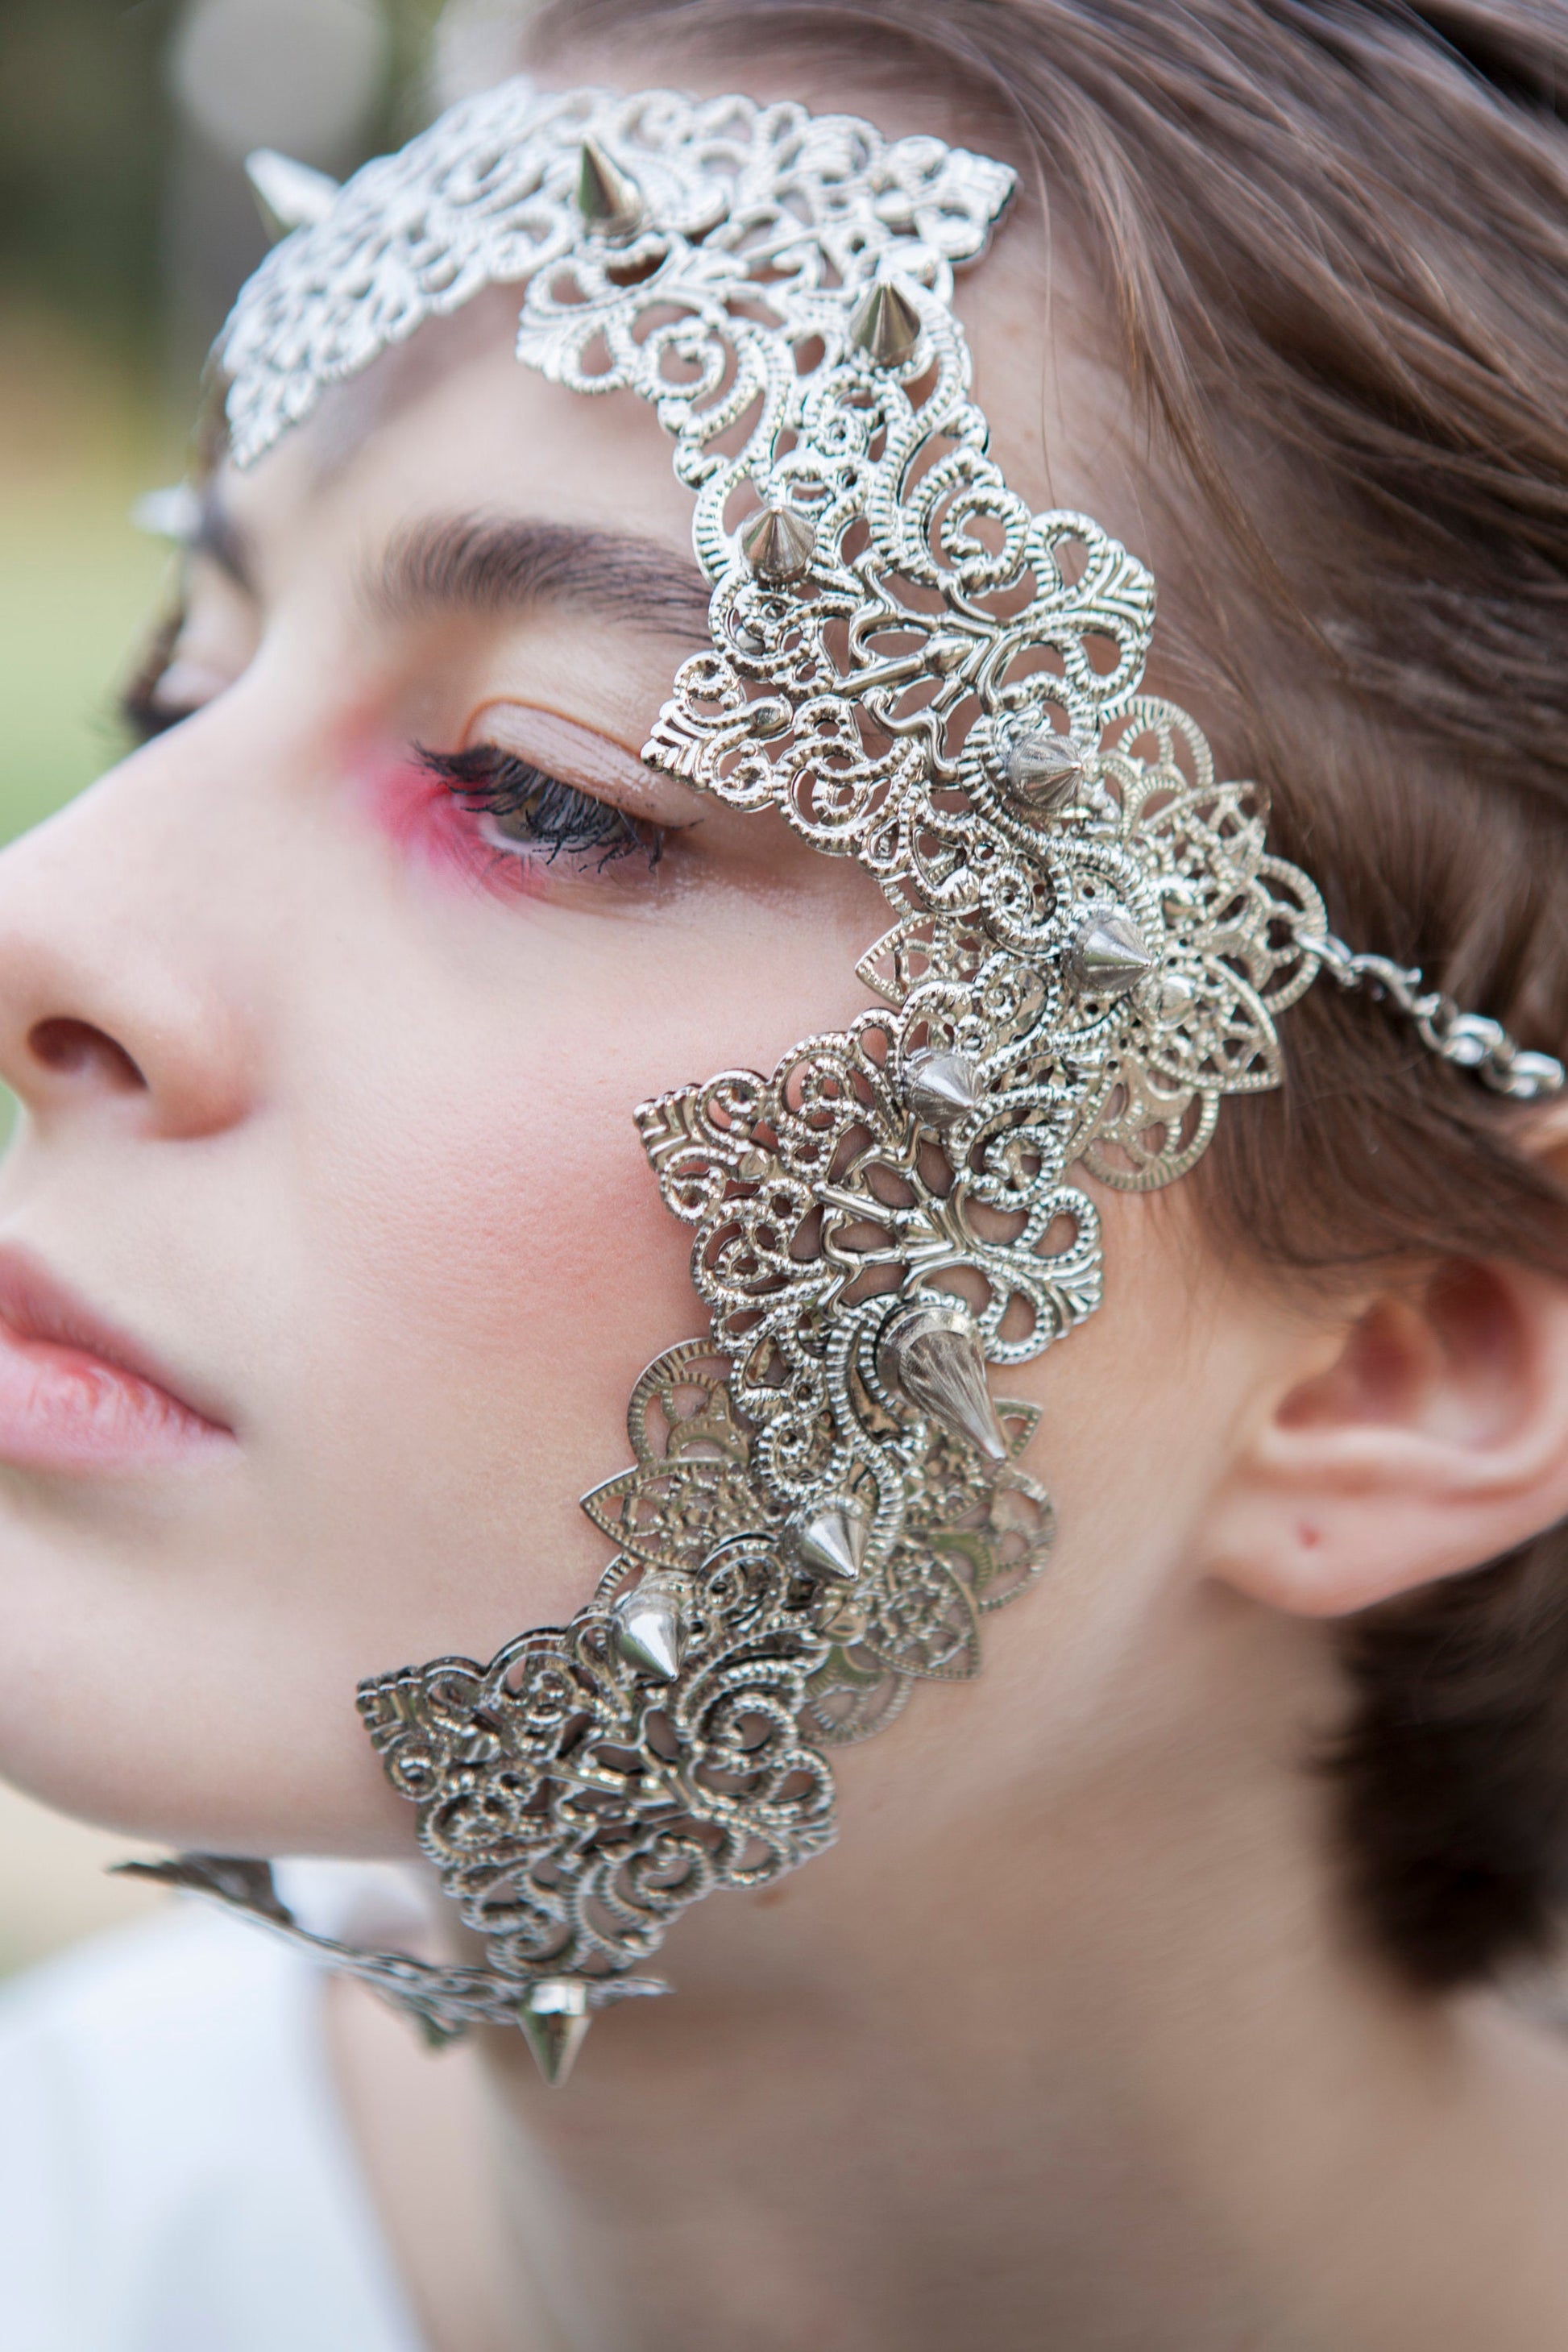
[1069, 2041]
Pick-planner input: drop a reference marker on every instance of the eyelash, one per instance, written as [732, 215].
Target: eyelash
[549, 817]
[141, 713]
[555, 818]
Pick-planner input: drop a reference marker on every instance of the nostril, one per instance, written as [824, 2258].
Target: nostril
[75, 1049]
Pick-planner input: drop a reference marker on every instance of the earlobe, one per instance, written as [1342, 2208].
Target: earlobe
[1436, 1439]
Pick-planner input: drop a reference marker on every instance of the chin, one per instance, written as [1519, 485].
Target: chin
[141, 1741]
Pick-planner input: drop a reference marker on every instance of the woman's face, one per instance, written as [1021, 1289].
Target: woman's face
[329, 1072]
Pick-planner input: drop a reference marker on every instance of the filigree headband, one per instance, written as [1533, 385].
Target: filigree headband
[1089, 947]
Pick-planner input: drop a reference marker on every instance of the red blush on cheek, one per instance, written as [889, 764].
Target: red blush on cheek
[432, 832]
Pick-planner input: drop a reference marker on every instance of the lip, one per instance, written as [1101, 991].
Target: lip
[77, 1393]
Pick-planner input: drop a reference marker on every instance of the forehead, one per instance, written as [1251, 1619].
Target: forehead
[451, 422]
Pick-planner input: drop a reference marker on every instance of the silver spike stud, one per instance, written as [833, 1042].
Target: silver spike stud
[778, 544]
[555, 2017]
[650, 1626]
[931, 1351]
[1045, 770]
[885, 325]
[289, 195]
[1110, 955]
[609, 199]
[940, 1085]
[831, 1539]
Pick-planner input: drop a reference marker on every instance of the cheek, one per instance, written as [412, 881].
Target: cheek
[486, 1263]
[491, 1268]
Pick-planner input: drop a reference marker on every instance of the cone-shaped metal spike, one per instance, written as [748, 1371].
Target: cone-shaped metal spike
[1044, 768]
[609, 199]
[886, 324]
[1110, 955]
[940, 1086]
[650, 1626]
[289, 195]
[933, 1352]
[832, 1538]
[778, 543]
[555, 2017]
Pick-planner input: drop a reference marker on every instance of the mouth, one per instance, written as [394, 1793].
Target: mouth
[76, 1394]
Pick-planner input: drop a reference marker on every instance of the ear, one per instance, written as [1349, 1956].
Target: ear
[1435, 1439]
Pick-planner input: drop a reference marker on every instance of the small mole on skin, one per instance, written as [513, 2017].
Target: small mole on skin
[1310, 1536]
[770, 1896]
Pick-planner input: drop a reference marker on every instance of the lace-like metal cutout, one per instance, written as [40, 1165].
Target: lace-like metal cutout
[1089, 947]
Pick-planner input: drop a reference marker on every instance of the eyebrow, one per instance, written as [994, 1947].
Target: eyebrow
[499, 564]
[218, 537]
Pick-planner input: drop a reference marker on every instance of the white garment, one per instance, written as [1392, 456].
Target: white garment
[175, 2174]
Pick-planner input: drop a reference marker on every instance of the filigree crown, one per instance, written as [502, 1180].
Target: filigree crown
[1089, 949]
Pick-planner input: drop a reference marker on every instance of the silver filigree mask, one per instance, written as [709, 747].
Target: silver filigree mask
[1089, 947]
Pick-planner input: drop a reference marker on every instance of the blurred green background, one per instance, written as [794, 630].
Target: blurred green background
[83, 122]
[125, 227]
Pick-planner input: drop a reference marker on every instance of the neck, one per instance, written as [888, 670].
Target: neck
[1104, 2068]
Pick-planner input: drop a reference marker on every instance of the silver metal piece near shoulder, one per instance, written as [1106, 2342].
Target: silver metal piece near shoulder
[1108, 955]
[289, 195]
[650, 1625]
[831, 1537]
[931, 1351]
[1045, 770]
[885, 325]
[778, 544]
[940, 1086]
[447, 2002]
[555, 2015]
[609, 199]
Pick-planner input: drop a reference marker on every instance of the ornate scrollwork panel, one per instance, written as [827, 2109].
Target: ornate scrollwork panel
[1088, 950]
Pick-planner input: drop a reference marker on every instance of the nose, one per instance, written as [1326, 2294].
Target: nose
[110, 997]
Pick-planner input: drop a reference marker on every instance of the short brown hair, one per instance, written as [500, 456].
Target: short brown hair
[1336, 237]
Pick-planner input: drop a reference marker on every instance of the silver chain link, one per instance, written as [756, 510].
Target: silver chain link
[1469, 1040]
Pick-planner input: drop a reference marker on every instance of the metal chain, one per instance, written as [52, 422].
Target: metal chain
[1469, 1040]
